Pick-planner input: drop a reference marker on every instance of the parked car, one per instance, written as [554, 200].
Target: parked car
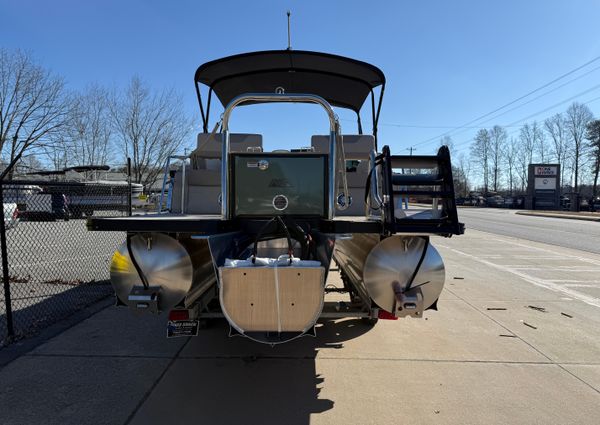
[11, 215]
[494, 201]
[594, 204]
[514, 201]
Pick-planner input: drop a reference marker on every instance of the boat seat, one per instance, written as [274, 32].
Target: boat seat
[356, 148]
[211, 148]
[203, 175]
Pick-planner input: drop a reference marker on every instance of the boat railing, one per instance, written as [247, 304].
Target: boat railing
[280, 98]
[167, 180]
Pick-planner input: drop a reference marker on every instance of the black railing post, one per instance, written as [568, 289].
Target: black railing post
[10, 329]
[129, 204]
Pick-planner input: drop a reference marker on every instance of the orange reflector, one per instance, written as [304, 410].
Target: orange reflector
[175, 315]
[386, 315]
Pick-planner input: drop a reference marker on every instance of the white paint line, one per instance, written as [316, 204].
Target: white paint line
[584, 259]
[581, 285]
[573, 281]
[550, 268]
[533, 257]
[533, 280]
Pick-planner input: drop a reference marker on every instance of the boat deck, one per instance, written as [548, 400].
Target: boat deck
[418, 221]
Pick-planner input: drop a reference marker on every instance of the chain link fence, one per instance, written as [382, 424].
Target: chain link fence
[55, 265]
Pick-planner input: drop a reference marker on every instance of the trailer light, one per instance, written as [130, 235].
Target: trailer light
[386, 315]
[175, 315]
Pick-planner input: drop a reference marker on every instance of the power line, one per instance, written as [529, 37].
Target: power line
[515, 100]
[532, 100]
[479, 127]
[539, 112]
[416, 125]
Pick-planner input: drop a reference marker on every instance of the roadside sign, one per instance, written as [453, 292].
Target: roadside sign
[546, 170]
[543, 187]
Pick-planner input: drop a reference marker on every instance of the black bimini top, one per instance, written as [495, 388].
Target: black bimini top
[342, 81]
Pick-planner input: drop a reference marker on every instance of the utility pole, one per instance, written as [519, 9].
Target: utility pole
[411, 149]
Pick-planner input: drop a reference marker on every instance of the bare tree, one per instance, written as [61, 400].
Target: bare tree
[593, 135]
[510, 157]
[498, 138]
[29, 164]
[480, 151]
[460, 171]
[528, 138]
[555, 127]
[32, 103]
[88, 131]
[57, 152]
[523, 156]
[539, 141]
[151, 126]
[576, 119]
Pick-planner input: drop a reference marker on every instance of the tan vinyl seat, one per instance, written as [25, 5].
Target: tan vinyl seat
[203, 176]
[356, 147]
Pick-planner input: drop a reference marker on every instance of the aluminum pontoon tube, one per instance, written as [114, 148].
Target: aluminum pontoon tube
[180, 270]
[378, 267]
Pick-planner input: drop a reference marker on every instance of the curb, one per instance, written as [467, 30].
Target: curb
[555, 215]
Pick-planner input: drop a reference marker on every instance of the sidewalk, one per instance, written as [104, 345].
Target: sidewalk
[583, 215]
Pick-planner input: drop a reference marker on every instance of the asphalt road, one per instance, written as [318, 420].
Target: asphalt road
[575, 234]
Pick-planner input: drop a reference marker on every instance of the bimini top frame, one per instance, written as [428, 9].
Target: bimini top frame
[341, 81]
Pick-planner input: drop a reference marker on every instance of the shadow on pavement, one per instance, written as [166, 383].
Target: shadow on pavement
[221, 380]
[47, 305]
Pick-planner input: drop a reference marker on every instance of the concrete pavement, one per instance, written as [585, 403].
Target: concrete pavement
[516, 340]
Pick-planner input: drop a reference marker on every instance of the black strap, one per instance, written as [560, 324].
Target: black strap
[419, 264]
[262, 230]
[136, 266]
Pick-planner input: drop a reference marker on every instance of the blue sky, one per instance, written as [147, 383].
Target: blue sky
[446, 62]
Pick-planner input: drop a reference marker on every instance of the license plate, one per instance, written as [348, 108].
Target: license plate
[176, 328]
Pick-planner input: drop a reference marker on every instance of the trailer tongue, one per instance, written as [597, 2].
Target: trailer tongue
[250, 235]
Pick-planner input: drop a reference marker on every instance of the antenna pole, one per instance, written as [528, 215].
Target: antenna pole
[289, 31]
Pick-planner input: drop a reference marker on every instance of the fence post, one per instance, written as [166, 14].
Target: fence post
[10, 330]
[129, 206]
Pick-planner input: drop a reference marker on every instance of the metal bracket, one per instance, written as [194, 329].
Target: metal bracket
[409, 303]
[141, 299]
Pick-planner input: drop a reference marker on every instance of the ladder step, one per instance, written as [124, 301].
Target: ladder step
[416, 179]
[432, 193]
[414, 161]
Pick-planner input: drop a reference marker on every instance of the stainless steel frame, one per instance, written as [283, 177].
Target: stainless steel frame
[272, 97]
[374, 194]
[183, 158]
